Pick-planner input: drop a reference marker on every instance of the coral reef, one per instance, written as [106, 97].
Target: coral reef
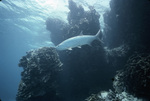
[117, 54]
[118, 51]
[58, 29]
[128, 22]
[135, 78]
[86, 21]
[40, 69]
[127, 27]
[78, 20]
[112, 96]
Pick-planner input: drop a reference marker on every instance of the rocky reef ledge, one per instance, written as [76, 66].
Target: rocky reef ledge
[40, 69]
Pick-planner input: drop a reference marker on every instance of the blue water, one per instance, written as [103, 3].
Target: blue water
[22, 28]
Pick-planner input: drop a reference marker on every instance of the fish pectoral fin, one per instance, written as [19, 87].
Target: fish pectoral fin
[69, 48]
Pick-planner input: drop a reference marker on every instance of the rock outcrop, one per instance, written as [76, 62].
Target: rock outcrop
[135, 78]
[39, 75]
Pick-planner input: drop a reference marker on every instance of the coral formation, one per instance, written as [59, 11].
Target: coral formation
[112, 96]
[40, 69]
[58, 29]
[128, 22]
[86, 21]
[135, 78]
[118, 51]
[78, 19]
[117, 54]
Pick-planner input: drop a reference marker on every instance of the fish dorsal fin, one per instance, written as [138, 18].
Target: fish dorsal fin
[81, 33]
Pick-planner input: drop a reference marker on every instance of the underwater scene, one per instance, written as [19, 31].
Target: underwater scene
[74, 50]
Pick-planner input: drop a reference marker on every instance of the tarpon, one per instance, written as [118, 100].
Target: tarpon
[77, 41]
